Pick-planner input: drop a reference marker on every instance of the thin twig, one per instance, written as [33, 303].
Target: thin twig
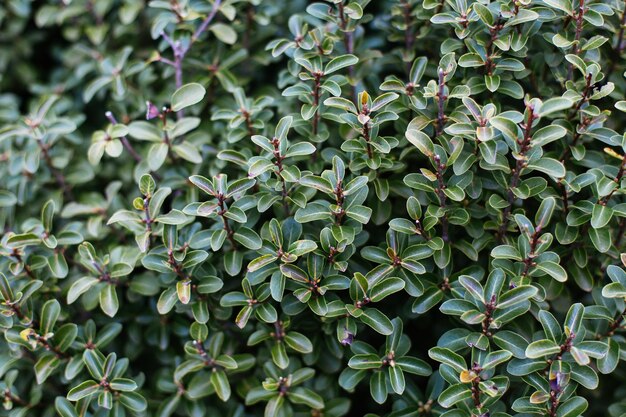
[524, 144]
[180, 51]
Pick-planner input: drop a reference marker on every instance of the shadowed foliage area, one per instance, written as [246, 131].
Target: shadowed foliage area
[290, 208]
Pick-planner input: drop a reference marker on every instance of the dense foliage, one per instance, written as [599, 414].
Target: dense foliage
[288, 208]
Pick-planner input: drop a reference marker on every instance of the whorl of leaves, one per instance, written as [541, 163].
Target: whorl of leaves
[284, 208]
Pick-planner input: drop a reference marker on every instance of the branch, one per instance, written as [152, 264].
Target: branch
[519, 166]
[205, 23]
[579, 30]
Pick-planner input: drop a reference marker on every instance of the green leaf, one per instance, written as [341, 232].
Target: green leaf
[294, 272]
[495, 358]
[45, 366]
[260, 166]
[339, 62]
[188, 152]
[298, 342]
[548, 134]
[385, 288]
[22, 240]
[203, 183]
[420, 140]
[573, 407]
[65, 336]
[454, 394]
[516, 295]
[174, 217]
[609, 361]
[544, 214]
[377, 320]
[133, 401]
[300, 149]
[312, 212]
[240, 186]
[248, 238]
[317, 183]
[365, 361]
[549, 166]
[274, 406]
[448, 357]
[553, 269]
[341, 103]
[378, 387]
[49, 315]
[397, 379]
[414, 366]
[512, 342]
[301, 395]
[542, 348]
[506, 252]
[123, 384]
[279, 355]
[554, 105]
[187, 95]
[7, 199]
[58, 265]
[94, 362]
[220, 384]
[224, 33]
[260, 262]
[301, 247]
[508, 128]
[47, 215]
[564, 6]
[108, 300]
[183, 291]
[145, 131]
[600, 216]
[79, 287]
[64, 408]
[82, 390]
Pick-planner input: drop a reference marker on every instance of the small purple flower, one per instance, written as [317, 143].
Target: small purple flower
[556, 382]
[348, 338]
[152, 111]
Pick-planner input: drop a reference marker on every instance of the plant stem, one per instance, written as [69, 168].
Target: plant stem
[58, 175]
[15, 253]
[348, 40]
[181, 51]
[279, 164]
[442, 196]
[579, 30]
[489, 309]
[221, 212]
[494, 32]
[339, 197]
[620, 173]
[534, 241]
[316, 102]
[409, 35]
[615, 325]
[519, 166]
[441, 99]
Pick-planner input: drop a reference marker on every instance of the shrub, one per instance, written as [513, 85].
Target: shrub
[242, 208]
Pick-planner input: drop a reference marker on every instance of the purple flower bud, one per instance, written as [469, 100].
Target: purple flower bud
[556, 381]
[152, 111]
[348, 338]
